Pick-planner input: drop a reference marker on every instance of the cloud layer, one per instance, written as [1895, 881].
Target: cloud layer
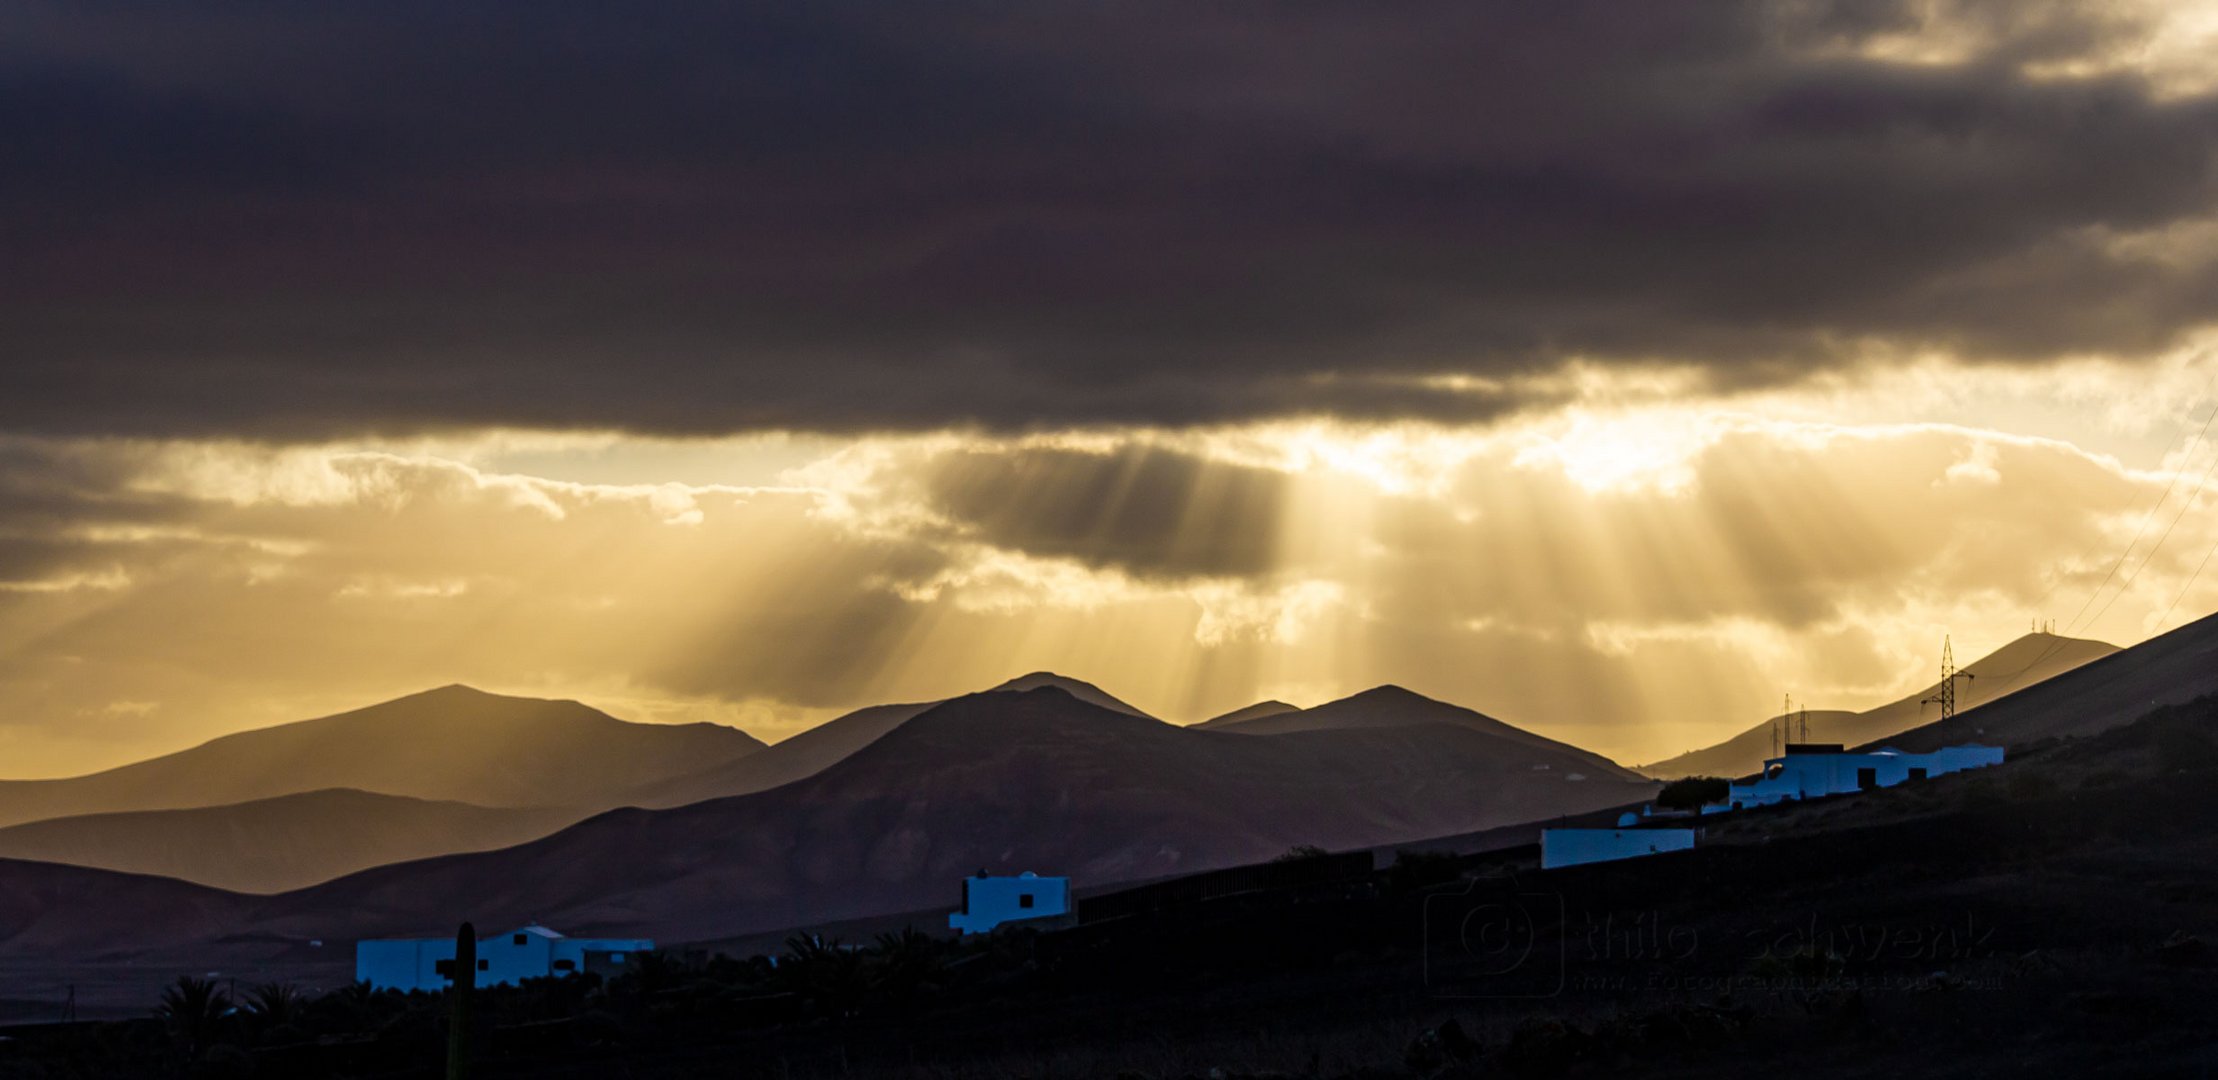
[1640, 597]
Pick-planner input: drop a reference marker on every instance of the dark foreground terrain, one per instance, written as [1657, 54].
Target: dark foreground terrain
[2048, 917]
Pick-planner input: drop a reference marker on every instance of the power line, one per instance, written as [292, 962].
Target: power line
[2151, 556]
[2160, 620]
[2185, 441]
[2071, 625]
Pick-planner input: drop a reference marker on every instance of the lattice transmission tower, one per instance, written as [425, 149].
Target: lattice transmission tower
[1946, 695]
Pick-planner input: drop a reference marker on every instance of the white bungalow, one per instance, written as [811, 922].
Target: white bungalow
[1571, 847]
[1815, 770]
[990, 901]
[527, 952]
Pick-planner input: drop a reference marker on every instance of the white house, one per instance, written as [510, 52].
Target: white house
[1811, 771]
[990, 901]
[525, 953]
[1571, 847]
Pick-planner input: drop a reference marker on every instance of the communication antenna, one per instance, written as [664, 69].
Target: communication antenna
[1946, 695]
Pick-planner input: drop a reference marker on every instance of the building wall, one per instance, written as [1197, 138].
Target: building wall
[1572, 847]
[602, 956]
[413, 963]
[990, 901]
[513, 957]
[1812, 776]
[403, 964]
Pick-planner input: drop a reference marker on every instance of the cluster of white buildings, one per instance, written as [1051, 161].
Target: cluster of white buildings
[528, 952]
[531, 952]
[1816, 770]
[1805, 771]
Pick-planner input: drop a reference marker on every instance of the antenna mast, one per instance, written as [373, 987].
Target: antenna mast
[1946, 695]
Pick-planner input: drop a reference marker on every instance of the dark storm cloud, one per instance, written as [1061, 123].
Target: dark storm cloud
[1142, 509]
[303, 221]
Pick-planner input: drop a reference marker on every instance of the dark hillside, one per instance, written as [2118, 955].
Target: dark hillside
[2048, 917]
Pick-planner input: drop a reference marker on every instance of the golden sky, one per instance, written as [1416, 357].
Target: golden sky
[1612, 369]
[1639, 573]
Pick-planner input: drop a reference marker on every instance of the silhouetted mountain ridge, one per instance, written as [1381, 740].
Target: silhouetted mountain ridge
[812, 751]
[280, 843]
[1396, 706]
[2116, 688]
[1027, 780]
[452, 743]
[1246, 713]
[1077, 688]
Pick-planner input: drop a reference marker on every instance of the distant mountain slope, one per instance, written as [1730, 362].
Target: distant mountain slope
[2167, 670]
[272, 845]
[1393, 706]
[454, 743]
[1008, 781]
[1242, 715]
[2011, 669]
[49, 910]
[1744, 753]
[816, 749]
[783, 762]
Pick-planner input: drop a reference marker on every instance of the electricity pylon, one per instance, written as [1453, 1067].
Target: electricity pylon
[1946, 695]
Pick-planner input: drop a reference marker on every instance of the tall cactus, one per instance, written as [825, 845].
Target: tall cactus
[458, 1002]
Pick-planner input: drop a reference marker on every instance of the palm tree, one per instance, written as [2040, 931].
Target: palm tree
[193, 1009]
[360, 995]
[824, 972]
[909, 962]
[275, 1004]
[352, 1007]
[803, 948]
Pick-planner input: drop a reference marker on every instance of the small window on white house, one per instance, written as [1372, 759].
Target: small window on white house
[517, 940]
[565, 965]
[1024, 900]
[483, 965]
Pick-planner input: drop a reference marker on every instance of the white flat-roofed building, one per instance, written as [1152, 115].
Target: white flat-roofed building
[528, 952]
[991, 901]
[1813, 771]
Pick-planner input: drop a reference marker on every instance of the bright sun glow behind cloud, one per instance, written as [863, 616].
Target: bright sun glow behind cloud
[1637, 575]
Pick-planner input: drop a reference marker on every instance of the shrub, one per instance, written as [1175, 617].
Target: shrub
[1417, 869]
[1693, 792]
